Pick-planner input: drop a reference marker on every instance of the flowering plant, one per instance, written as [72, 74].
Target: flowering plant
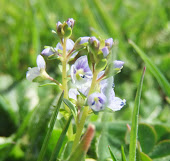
[91, 88]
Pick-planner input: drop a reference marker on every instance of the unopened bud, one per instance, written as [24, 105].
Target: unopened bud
[109, 43]
[70, 22]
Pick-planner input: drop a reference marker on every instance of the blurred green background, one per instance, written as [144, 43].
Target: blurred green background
[25, 28]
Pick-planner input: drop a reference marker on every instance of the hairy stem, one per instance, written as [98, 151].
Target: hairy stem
[65, 86]
[64, 70]
[80, 126]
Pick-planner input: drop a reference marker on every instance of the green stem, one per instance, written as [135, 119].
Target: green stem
[65, 86]
[64, 70]
[80, 127]
[93, 84]
[84, 114]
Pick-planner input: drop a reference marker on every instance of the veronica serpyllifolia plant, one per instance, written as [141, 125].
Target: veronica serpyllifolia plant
[91, 74]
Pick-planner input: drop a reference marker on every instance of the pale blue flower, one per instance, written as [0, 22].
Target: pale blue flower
[96, 101]
[118, 64]
[80, 72]
[47, 51]
[73, 93]
[114, 103]
[84, 40]
[34, 72]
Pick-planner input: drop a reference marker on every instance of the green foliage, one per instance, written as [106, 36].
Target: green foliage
[146, 137]
[112, 155]
[25, 109]
[161, 149]
[49, 132]
[134, 129]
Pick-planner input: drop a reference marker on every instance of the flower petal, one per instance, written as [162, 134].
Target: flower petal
[47, 52]
[41, 62]
[32, 73]
[116, 104]
[73, 93]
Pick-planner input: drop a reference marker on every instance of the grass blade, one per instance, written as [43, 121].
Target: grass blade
[154, 70]
[123, 154]
[134, 129]
[48, 135]
[112, 155]
[60, 140]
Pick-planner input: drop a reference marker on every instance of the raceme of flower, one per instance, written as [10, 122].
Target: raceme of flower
[35, 72]
[89, 73]
[87, 80]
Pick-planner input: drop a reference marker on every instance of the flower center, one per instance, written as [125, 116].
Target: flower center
[80, 74]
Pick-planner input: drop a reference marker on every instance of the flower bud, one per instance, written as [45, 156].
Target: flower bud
[70, 22]
[109, 43]
[81, 42]
[94, 42]
[58, 24]
[105, 51]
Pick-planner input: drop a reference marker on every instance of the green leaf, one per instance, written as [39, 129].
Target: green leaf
[60, 140]
[140, 156]
[147, 137]
[123, 154]
[48, 84]
[49, 132]
[71, 106]
[161, 131]
[67, 150]
[145, 157]
[112, 155]
[134, 129]
[153, 69]
[161, 150]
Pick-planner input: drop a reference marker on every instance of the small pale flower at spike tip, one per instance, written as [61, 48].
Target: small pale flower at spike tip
[80, 72]
[70, 22]
[95, 41]
[58, 24]
[109, 42]
[34, 72]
